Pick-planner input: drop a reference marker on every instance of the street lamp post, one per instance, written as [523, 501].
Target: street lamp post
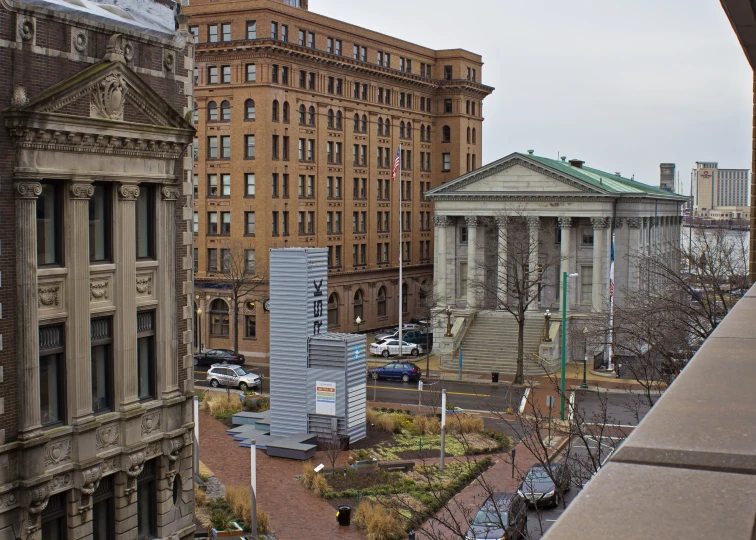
[585, 358]
[358, 322]
[565, 277]
[199, 328]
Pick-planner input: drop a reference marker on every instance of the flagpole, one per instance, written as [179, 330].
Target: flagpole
[611, 308]
[401, 333]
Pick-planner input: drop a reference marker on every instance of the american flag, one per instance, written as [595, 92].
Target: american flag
[396, 164]
[611, 271]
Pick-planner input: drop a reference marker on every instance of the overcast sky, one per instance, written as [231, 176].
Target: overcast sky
[623, 85]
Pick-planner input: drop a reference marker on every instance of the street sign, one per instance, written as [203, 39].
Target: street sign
[550, 401]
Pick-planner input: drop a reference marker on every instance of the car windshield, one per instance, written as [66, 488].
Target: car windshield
[240, 371]
[490, 518]
[537, 475]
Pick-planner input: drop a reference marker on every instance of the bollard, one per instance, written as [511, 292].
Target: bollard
[411, 535]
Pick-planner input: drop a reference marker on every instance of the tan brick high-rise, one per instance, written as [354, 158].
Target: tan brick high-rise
[328, 104]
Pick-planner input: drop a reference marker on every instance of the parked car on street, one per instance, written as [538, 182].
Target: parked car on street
[217, 356]
[502, 515]
[405, 371]
[392, 332]
[541, 488]
[416, 336]
[227, 375]
[390, 347]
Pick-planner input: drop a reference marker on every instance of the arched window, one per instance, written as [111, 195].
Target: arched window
[445, 134]
[357, 304]
[212, 111]
[275, 110]
[401, 129]
[427, 134]
[382, 302]
[409, 130]
[387, 128]
[357, 123]
[330, 118]
[405, 297]
[422, 132]
[468, 134]
[219, 318]
[195, 116]
[380, 124]
[225, 110]
[473, 108]
[475, 136]
[249, 109]
[339, 117]
[311, 116]
[286, 111]
[364, 123]
[333, 310]
[302, 114]
[467, 108]
[424, 291]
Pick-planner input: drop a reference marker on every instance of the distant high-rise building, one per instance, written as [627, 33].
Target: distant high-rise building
[720, 193]
[667, 181]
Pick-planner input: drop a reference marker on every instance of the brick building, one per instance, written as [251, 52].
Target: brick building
[299, 117]
[95, 295]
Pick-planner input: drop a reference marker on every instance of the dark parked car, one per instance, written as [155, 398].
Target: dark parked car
[218, 356]
[539, 487]
[503, 515]
[410, 335]
[397, 370]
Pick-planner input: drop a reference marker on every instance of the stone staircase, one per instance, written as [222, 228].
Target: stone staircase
[491, 344]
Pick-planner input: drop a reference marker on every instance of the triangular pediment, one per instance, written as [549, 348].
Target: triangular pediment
[105, 91]
[515, 175]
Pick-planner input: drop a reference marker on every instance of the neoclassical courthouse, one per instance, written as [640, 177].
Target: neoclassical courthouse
[571, 211]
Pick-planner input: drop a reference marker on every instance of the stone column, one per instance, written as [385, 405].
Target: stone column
[634, 249]
[27, 346]
[502, 287]
[167, 334]
[441, 224]
[473, 283]
[124, 322]
[534, 226]
[565, 225]
[599, 231]
[78, 353]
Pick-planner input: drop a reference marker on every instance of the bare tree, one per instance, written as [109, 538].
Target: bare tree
[332, 446]
[512, 279]
[239, 274]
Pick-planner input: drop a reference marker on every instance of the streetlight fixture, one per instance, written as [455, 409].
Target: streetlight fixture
[448, 312]
[547, 325]
[358, 322]
[199, 328]
[585, 357]
[565, 277]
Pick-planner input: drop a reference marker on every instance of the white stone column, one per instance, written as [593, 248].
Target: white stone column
[442, 224]
[565, 226]
[27, 320]
[78, 329]
[502, 287]
[634, 249]
[124, 322]
[534, 227]
[167, 333]
[599, 232]
[473, 283]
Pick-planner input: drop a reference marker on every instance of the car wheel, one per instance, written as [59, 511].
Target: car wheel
[405, 377]
[243, 387]
[374, 375]
[385, 353]
[414, 352]
[214, 383]
[196, 362]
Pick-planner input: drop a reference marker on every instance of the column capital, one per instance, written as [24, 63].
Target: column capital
[565, 222]
[600, 222]
[170, 193]
[28, 190]
[441, 221]
[646, 221]
[502, 221]
[128, 192]
[81, 190]
[634, 222]
[618, 221]
[534, 222]
[472, 221]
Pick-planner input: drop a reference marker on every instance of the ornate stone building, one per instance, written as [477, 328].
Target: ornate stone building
[570, 211]
[299, 117]
[95, 266]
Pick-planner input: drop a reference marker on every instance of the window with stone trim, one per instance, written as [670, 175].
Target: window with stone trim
[101, 338]
[146, 361]
[382, 302]
[147, 501]
[100, 224]
[250, 326]
[52, 379]
[53, 518]
[103, 510]
[50, 225]
[145, 222]
[219, 320]
[586, 284]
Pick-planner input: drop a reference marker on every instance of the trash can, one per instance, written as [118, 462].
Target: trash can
[344, 515]
[494, 376]
[411, 535]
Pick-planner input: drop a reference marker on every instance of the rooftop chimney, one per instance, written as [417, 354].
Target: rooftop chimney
[577, 163]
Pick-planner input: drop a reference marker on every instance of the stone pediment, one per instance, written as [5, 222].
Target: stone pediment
[515, 175]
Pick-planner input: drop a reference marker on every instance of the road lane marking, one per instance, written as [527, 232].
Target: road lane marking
[416, 390]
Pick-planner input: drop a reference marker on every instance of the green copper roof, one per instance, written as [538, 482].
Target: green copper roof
[600, 179]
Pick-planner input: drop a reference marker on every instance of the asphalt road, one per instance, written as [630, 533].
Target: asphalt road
[621, 408]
